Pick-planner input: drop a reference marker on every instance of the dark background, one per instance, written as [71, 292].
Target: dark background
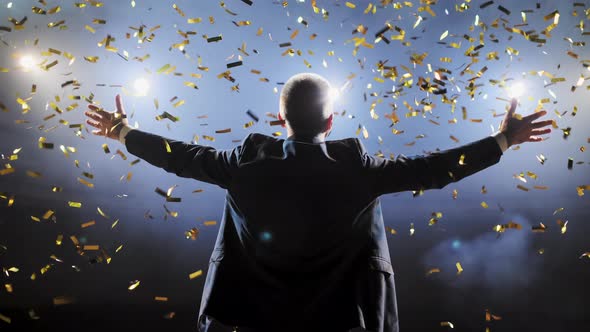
[532, 281]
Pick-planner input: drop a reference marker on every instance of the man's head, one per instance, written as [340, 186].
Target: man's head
[306, 105]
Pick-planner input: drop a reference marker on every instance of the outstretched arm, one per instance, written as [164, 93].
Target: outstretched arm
[203, 163]
[438, 169]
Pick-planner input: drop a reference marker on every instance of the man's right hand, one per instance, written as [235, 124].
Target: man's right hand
[523, 130]
[108, 124]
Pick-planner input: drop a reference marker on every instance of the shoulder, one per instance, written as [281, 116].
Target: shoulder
[257, 139]
[349, 149]
[254, 143]
[346, 144]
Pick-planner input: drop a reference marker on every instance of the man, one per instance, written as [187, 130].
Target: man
[301, 245]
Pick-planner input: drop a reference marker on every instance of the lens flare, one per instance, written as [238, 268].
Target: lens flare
[142, 86]
[516, 90]
[27, 62]
[334, 94]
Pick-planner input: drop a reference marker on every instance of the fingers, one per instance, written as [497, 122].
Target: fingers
[540, 132]
[119, 103]
[513, 104]
[93, 115]
[534, 116]
[535, 139]
[98, 132]
[94, 124]
[541, 124]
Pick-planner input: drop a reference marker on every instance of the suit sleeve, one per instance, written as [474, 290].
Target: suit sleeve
[202, 163]
[433, 171]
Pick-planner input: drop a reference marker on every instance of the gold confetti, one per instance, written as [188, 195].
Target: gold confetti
[61, 300]
[539, 228]
[459, 268]
[133, 285]
[101, 212]
[161, 298]
[92, 59]
[5, 319]
[449, 324]
[195, 274]
[167, 145]
[8, 287]
[563, 225]
[88, 224]
[484, 205]
[48, 214]
[192, 233]
[74, 204]
[433, 270]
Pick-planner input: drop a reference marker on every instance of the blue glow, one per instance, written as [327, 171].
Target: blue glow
[456, 244]
[265, 236]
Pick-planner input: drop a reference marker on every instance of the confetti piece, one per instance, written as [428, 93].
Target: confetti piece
[5, 319]
[563, 225]
[161, 298]
[133, 285]
[74, 204]
[449, 324]
[459, 268]
[234, 64]
[539, 228]
[195, 274]
[192, 233]
[214, 39]
[509, 225]
[88, 224]
[503, 10]
[62, 300]
[210, 223]
[433, 270]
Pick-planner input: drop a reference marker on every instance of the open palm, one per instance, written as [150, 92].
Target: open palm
[524, 130]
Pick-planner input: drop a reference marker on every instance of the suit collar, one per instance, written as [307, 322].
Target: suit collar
[293, 144]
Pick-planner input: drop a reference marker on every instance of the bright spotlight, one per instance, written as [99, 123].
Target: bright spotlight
[516, 90]
[334, 94]
[142, 86]
[27, 62]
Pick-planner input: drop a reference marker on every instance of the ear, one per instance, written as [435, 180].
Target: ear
[281, 118]
[329, 122]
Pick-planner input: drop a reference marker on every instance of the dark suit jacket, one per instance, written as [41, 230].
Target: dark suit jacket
[302, 244]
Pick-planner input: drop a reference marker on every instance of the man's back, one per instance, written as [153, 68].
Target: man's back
[294, 208]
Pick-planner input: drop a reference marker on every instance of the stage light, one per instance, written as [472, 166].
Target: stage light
[142, 86]
[27, 62]
[516, 90]
[334, 94]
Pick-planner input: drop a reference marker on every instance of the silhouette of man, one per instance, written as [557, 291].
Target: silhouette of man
[301, 245]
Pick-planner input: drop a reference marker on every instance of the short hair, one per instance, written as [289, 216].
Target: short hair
[306, 103]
